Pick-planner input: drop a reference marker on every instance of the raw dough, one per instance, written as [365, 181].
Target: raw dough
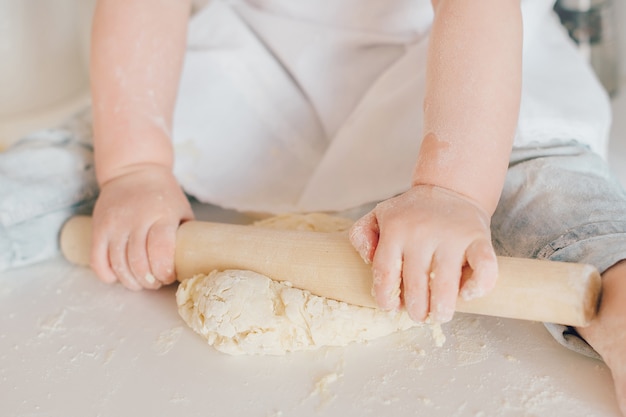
[314, 222]
[243, 312]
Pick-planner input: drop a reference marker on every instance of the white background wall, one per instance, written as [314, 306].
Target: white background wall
[43, 62]
[620, 18]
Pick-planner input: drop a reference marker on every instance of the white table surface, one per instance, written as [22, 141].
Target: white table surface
[71, 346]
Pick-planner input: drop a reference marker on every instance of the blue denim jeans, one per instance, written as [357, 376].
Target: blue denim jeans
[560, 202]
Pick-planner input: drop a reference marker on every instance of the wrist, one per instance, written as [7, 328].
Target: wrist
[463, 168]
[148, 169]
[125, 154]
[437, 189]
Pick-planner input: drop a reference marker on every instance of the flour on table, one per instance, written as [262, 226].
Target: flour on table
[243, 312]
[166, 340]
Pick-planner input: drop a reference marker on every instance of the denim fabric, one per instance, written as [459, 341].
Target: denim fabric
[45, 178]
[561, 202]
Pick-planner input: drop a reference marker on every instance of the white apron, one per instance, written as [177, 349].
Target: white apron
[313, 105]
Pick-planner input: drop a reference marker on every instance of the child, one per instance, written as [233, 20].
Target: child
[283, 106]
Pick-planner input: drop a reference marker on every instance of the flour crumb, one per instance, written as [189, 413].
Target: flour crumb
[53, 323]
[166, 340]
[150, 279]
[438, 336]
[321, 390]
[178, 398]
[321, 386]
[426, 401]
[108, 356]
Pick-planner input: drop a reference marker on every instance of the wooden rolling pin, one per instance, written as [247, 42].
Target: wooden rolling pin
[326, 264]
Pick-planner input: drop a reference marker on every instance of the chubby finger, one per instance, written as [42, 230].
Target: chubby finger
[119, 263]
[415, 285]
[481, 258]
[387, 275]
[364, 236]
[161, 247]
[99, 260]
[138, 262]
[445, 278]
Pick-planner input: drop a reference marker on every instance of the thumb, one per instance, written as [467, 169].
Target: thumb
[483, 262]
[364, 236]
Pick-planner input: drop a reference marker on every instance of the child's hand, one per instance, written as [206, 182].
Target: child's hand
[418, 243]
[134, 228]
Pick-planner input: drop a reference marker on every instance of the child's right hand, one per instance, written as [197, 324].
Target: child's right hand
[134, 227]
[418, 243]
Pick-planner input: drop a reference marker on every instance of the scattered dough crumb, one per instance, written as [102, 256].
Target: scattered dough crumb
[321, 386]
[166, 340]
[321, 389]
[108, 356]
[53, 323]
[150, 278]
[178, 398]
[438, 335]
[425, 400]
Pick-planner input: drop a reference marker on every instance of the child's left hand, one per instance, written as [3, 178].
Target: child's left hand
[418, 244]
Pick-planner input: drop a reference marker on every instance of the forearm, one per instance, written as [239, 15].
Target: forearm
[136, 60]
[471, 105]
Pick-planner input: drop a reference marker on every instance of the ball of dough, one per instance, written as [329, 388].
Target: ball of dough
[314, 222]
[243, 312]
